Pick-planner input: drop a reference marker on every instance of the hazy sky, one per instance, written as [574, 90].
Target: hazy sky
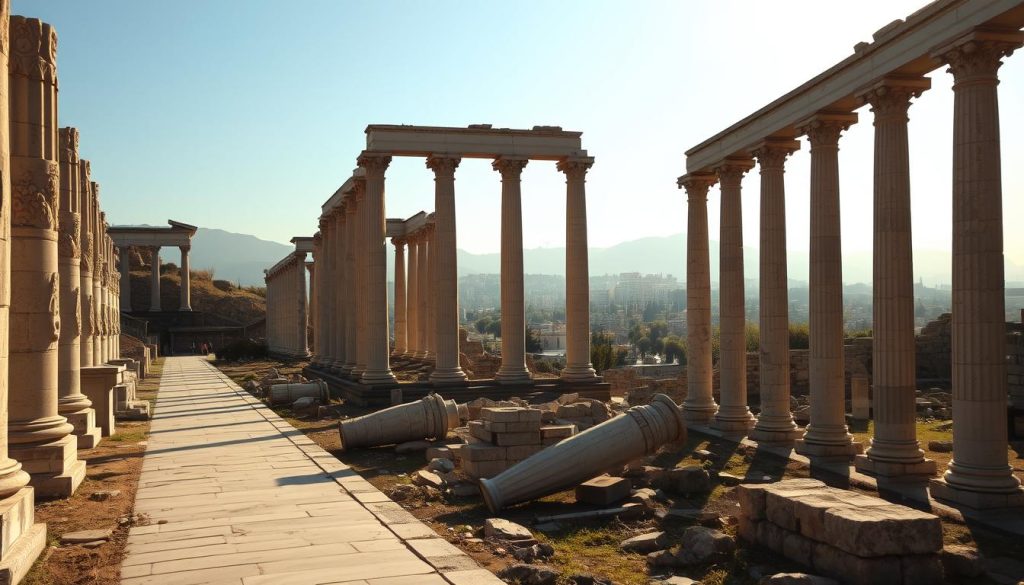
[247, 115]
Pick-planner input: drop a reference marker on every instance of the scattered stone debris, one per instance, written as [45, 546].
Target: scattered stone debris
[940, 446]
[506, 530]
[603, 490]
[529, 574]
[692, 479]
[644, 543]
[504, 436]
[674, 580]
[698, 544]
[962, 561]
[84, 536]
[427, 478]
[104, 495]
[306, 406]
[796, 579]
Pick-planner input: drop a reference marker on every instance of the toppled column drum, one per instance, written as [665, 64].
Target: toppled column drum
[637, 432]
[429, 418]
[289, 393]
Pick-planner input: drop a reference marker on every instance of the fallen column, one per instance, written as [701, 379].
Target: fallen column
[289, 393]
[429, 418]
[637, 432]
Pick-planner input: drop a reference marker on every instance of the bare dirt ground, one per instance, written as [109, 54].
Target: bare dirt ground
[592, 547]
[114, 465]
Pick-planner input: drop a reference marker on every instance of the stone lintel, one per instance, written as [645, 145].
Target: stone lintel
[912, 83]
[790, 145]
[739, 162]
[480, 141]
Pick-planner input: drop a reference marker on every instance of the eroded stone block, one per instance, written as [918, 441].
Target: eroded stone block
[883, 530]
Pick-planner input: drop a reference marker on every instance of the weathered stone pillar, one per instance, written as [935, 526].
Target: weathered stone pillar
[412, 299]
[115, 282]
[513, 311]
[401, 345]
[311, 307]
[301, 318]
[317, 275]
[97, 278]
[577, 273]
[358, 198]
[733, 414]
[23, 539]
[341, 293]
[978, 475]
[432, 299]
[87, 264]
[775, 422]
[40, 438]
[154, 280]
[347, 266]
[826, 433]
[186, 280]
[894, 449]
[424, 351]
[428, 418]
[378, 371]
[328, 281]
[699, 406]
[446, 369]
[105, 295]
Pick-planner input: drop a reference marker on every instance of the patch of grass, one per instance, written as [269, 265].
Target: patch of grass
[595, 550]
[128, 436]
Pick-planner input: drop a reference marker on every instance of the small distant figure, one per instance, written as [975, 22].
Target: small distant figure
[204, 349]
[193, 348]
[209, 346]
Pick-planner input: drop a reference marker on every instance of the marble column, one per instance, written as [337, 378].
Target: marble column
[775, 422]
[894, 449]
[186, 280]
[826, 433]
[40, 437]
[412, 300]
[360, 264]
[115, 282]
[733, 414]
[577, 273]
[401, 313]
[378, 371]
[311, 308]
[446, 365]
[316, 274]
[432, 298]
[328, 280]
[154, 280]
[979, 475]
[87, 264]
[699, 406]
[100, 235]
[301, 318]
[424, 351]
[513, 311]
[347, 267]
[341, 293]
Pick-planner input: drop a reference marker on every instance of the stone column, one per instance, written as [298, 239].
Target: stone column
[894, 449]
[432, 298]
[116, 308]
[513, 311]
[316, 274]
[99, 236]
[978, 475]
[87, 264]
[446, 369]
[302, 306]
[341, 293]
[40, 437]
[360, 265]
[378, 371]
[699, 406]
[328, 281]
[311, 306]
[826, 433]
[423, 351]
[401, 345]
[733, 414]
[412, 300]
[154, 281]
[775, 423]
[577, 273]
[186, 280]
[348, 267]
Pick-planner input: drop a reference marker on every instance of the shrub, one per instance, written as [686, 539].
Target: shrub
[799, 336]
[223, 285]
[240, 349]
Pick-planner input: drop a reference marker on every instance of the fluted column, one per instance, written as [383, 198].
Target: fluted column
[100, 236]
[87, 264]
[39, 436]
[361, 269]
[424, 350]
[894, 449]
[186, 280]
[446, 369]
[341, 293]
[733, 414]
[978, 475]
[401, 313]
[301, 317]
[699, 406]
[327, 307]
[412, 299]
[311, 307]
[154, 280]
[432, 298]
[378, 370]
[350, 273]
[116, 306]
[826, 433]
[775, 422]
[317, 273]
[513, 311]
[577, 272]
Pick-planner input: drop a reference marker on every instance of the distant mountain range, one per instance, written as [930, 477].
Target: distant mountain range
[242, 258]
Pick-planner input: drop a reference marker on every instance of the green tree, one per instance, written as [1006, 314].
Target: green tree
[674, 350]
[753, 334]
[533, 344]
[481, 325]
[494, 328]
[643, 345]
[799, 336]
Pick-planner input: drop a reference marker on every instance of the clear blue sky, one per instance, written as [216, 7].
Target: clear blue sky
[247, 115]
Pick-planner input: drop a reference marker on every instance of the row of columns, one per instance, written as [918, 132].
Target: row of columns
[415, 338]
[125, 297]
[979, 472]
[287, 307]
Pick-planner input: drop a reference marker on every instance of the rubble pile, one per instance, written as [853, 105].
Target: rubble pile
[504, 436]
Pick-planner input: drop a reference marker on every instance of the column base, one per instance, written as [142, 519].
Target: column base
[773, 437]
[865, 464]
[86, 431]
[850, 449]
[699, 415]
[448, 377]
[512, 376]
[578, 374]
[733, 426]
[371, 378]
[23, 539]
[940, 489]
[54, 468]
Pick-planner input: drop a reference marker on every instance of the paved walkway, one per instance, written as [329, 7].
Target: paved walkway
[235, 495]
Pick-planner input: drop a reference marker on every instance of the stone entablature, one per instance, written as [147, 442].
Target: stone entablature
[177, 235]
[288, 305]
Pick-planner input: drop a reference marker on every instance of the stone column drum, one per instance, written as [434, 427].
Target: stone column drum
[349, 273]
[446, 294]
[341, 294]
[979, 475]
[775, 422]
[412, 300]
[289, 393]
[637, 432]
[577, 273]
[826, 434]
[87, 264]
[316, 277]
[401, 314]
[513, 310]
[301, 315]
[40, 438]
[733, 414]
[699, 405]
[428, 418]
[186, 280]
[423, 252]
[378, 370]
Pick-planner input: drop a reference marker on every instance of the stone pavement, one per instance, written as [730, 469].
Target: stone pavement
[235, 495]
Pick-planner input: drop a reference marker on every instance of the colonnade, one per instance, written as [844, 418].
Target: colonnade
[287, 307]
[979, 474]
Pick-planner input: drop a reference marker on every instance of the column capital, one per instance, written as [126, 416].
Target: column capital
[325, 224]
[891, 95]
[575, 167]
[373, 162]
[399, 242]
[68, 145]
[33, 49]
[185, 249]
[510, 167]
[978, 54]
[772, 152]
[824, 128]
[697, 184]
[443, 165]
[731, 170]
[358, 191]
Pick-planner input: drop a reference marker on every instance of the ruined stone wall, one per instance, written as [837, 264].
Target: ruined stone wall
[934, 349]
[1015, 368]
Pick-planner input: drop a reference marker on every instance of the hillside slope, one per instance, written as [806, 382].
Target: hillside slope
[220, 297]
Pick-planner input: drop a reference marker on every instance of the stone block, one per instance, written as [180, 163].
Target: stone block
[500, 414]
[752, 497]
[855, 570]
[922, 569]
[771, 536]
[883, 530]
[798, 548]
[603, 490]
[941, 490]
[645, 543]
[483, 452]
[860, 398]
[557, 432]
[808, 509]
[687, 480]
[520, 452]
[510, 439]
[439, 453]
[19, 557]
[17, 517]
[484, 469]
[512, 427]
[477, 430]
[747, 529]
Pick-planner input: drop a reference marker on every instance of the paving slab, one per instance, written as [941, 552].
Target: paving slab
[231, 493]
